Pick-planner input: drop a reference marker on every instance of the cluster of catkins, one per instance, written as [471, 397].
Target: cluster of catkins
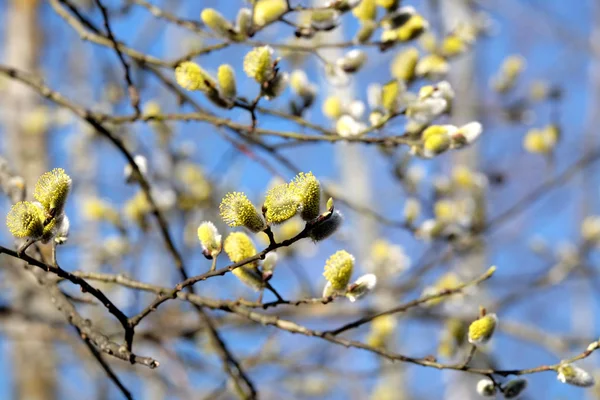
[301, 196]
[43, 219]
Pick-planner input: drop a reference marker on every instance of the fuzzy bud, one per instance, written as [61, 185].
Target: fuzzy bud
[466, 134]
[268, 11]
[244, 22]
[191, 76]
[513, 389]
[142, 164]
[367, 28]
[482, 329]
[216, 22]
[326, 227]
[403, 65]
[281, 203]
[52, 189]
[26, 220]
[347, 126]
[352, 61]
[332, 107]
[226, 79]
[237, 210]
[308, 190]
[413, 28]
[324, 20]
[412, 210]
[398, 18]
[572, 375]
[486, 388]
[366, 10]
[436, 144]
[238, 246]
[275, 87]
[388, 4]
[210, 239]
[338, 269]
[270, 262]
[390, 95]
[362, 286]
[432, 66]
[258, 64]
[301, 86]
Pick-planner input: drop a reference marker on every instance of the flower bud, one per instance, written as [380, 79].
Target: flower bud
[62, 230]
[572, 375]
[226, 79]
[366, 10]
[301, 86]
[281, 203]
[324, 20]
[390, 95]
[590, 229]
[367, 28]
[511, 69]
[209, 238]
[403, 65]
[436, 144]
[275, 86]
[361, 287]
[268, 11]
[191, 76]
[430, 229]
[513, 389]
[243, 23]
[445, 211]
[26, 220]
[466, 134]
[258, 64]
[541, 140]
[388, 4]
[326, 227]
[423, 111]
[398, 18]
[344, 5]
[216, 22]
[352, 61]
[238, 246]
[486, 388]
[432, 66]
[52, 189]
[332, 107]
[412, 210]
[142, 164]
[307, 189]
[338, 269]
[482, 329]
[270, 262]
[347, 126]
[413, 28]
[237, 210]
[453, 45]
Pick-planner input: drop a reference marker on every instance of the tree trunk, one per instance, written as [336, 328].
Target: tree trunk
[33, 360]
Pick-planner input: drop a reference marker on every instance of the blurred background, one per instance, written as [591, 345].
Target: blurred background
[527, 209]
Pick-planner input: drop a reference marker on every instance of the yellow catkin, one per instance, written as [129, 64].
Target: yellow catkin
[25, 220]
[338, 269]
[307, 189]
[237, 210]
[52, 189]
